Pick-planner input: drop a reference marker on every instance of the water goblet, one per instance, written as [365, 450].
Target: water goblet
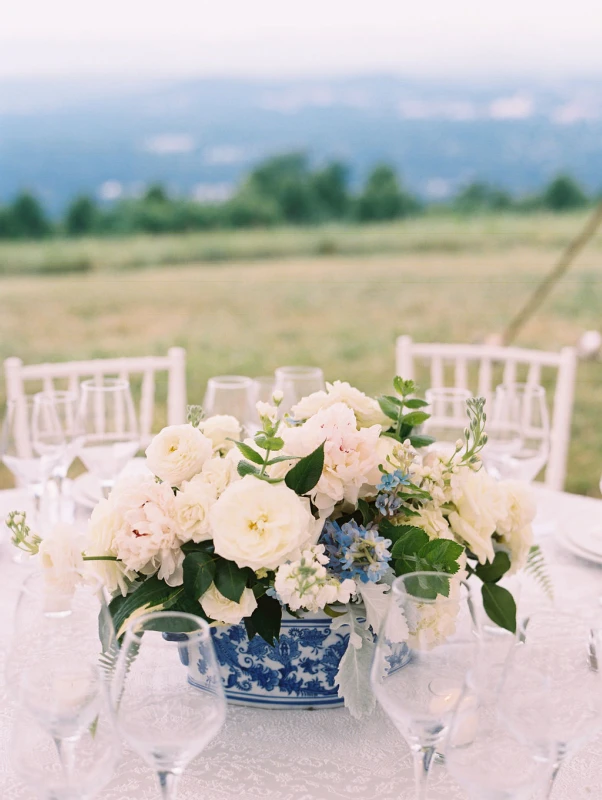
[426, 645]
[231, 395]
[168, 692]
[448, 420]
[296, 383]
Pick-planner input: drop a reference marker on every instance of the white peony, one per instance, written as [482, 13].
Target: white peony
[220, 472]
[221, 428]
[224, 611]
[366, 409]
[350, 455]
[192, 505]
[258, 524]
[307, 584]
[479, 504]
[177, 453]
[61, 557]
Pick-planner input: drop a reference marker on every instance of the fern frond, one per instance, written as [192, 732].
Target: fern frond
[537, 568]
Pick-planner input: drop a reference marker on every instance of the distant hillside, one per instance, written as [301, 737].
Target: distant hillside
[200, 136]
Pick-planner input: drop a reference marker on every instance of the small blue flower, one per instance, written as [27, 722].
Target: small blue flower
[391, 481]
[356, 551]
[388, 504]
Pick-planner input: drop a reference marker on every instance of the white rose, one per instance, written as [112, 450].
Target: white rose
[177, 453]
[220, 472]
[478, 506]
[366, 409]
[350, 455]
[224, 611]
[220, 429]
[385, 451]
[258, 524]
[192, 504]
[61, 556]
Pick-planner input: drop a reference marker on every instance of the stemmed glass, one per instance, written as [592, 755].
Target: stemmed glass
[54, 432]
[107, 429]
[552, 686]
[298, 382]
[518, 432]
[482, 754]
[261, 390]
[168, 692]
[427, 643]
[30, 465]
[447, 407]
[229, 394]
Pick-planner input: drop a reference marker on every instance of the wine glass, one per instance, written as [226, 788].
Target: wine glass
[54, 432]
[168, 692]
[40, 765]
[552, 686]
[229, 394]
[296, 383]
[482, 754]
[426, 645]
[518, 432]
[107, 429]
[448, 420]
[30, 465]
[261, 390]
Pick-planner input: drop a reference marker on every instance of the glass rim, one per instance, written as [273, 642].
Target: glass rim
[230, 380]
[400, 582]
[298, 372]
[202, 634]
[34, 584]
[522, 387]
[452, 391]
[54, 394]
[107, 385]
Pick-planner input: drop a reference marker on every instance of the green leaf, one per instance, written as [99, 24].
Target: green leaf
[415, 418]
[499, 606]
[403, 387]
[366, 510]
[231, 579]
[394, 532]
[266, 618]
[249, 453]
[195, 547]
[268, 442]
[388, 408]
[394, 400]
[199, 572]
[244, 468]
[421, 440]
[410, 542]
[332, 613]
[306, 473]
[427, 587]
[442, 555]
[278, 459]
[249, 627]
[415, 402]
[153, 593]
[492, 571]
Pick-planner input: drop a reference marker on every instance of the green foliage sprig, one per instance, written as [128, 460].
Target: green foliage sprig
[404, 421]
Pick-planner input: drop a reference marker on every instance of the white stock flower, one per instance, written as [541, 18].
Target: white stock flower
[478, 505]
[192, 505]
[258, 524]
[431, 520]
[350, 455]
[61, 557]
[224, 611]
[366, 410]
[220, 472]
[432, 623]
[307, 584]
[177, 453]
[267, 411]
[221, 428]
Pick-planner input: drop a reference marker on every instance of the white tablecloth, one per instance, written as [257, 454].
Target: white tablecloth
[309, 755]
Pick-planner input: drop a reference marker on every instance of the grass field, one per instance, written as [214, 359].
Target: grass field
[442, 280]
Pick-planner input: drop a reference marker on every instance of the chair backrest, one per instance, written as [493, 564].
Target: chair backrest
[481, 367]
[147, 370]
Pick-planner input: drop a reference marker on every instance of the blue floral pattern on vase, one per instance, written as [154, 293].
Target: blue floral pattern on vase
[298, 672]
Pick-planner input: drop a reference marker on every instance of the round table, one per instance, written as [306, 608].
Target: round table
[310, 755]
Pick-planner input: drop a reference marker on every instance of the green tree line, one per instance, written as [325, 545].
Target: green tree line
[281, 190]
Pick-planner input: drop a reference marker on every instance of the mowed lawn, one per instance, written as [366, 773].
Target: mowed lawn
[342, 313]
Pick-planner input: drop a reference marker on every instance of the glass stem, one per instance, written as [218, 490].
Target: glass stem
[423, 757]
[168, 782]
[549, 787]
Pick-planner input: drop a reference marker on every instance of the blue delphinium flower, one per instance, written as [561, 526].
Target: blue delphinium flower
[388, 504]
[356, 551]
[390, 481]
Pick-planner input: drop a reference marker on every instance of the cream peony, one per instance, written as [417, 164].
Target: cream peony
[221, 428]
[350, 455]
[478, 503]
[192, 505]
[366, 409]
[177, 453]
[258, 524]
[224, 611]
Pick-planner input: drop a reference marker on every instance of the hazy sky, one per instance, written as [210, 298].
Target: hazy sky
[301, 37]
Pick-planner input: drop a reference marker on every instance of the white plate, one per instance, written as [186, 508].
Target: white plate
[86, 489]
[588, 540]
[569, 544]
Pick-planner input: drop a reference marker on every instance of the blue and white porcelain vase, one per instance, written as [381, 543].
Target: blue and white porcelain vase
[299, 672]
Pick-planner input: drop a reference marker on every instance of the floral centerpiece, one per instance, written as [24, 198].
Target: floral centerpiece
[314, 515]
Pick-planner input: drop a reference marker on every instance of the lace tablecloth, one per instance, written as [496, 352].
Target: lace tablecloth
[309, 755]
